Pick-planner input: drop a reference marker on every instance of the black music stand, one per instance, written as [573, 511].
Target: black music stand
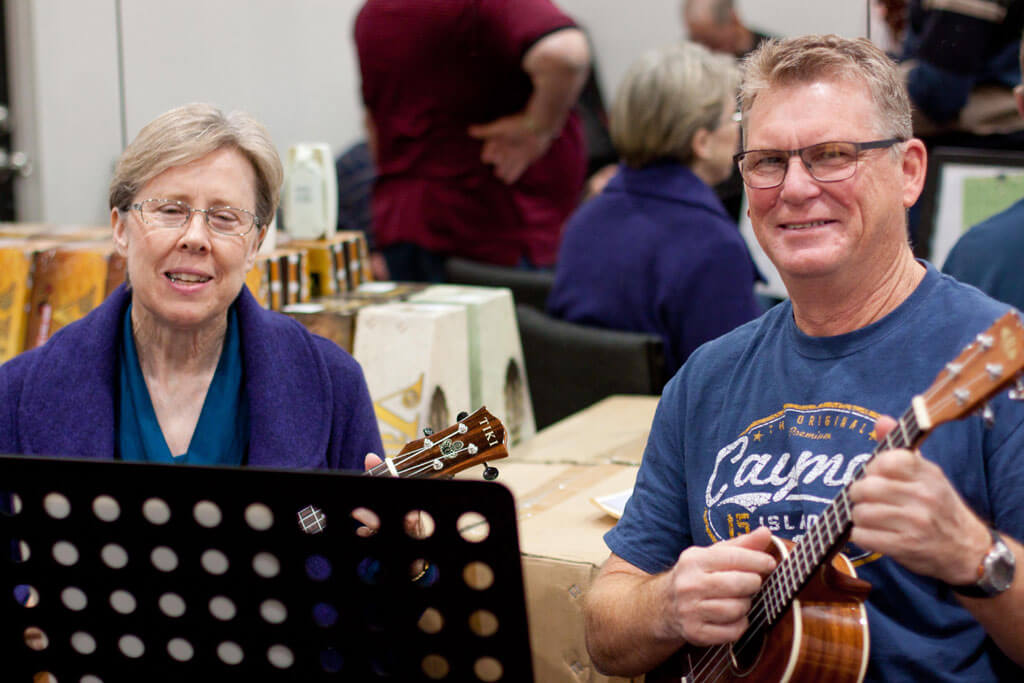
[148, 572]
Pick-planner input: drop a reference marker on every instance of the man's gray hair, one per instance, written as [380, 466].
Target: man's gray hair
[780, 63]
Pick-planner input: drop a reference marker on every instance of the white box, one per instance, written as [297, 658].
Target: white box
[414, 358]
[497, 373]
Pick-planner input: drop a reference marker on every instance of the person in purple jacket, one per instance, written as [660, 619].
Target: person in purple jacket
[656, 250]
[181, 364]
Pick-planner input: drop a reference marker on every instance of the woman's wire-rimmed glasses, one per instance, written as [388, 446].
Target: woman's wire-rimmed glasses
[175, 214]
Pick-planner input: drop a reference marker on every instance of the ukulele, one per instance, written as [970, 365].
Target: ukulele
[473, 440]
[808, 621]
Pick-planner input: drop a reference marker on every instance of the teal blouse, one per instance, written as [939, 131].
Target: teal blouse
[222, 434]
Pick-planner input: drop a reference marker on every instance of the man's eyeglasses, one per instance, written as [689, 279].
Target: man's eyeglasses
[174, 214]
[827, 162]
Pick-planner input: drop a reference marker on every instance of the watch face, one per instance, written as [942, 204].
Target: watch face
[999, 566]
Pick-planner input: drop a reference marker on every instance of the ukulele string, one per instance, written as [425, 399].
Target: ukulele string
[399, 460]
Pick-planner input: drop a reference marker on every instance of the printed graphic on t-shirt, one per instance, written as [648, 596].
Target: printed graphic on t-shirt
[783, 470]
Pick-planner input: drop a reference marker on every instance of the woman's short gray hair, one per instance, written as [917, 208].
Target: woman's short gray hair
[806, 59]
[665, 98]
[190, 132]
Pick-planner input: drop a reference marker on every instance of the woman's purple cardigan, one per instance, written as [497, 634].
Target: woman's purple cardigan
[309, 405]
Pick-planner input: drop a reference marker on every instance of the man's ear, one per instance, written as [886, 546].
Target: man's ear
[120, 232]
[915, 165]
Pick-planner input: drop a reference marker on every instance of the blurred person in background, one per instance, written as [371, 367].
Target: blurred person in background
[989, 255]
[656, 251]
[479, 153]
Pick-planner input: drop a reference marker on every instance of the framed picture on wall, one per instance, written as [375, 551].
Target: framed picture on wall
[964, 187]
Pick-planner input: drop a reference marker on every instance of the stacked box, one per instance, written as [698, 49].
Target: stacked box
[357, 257]
[331, 260]
[383, 292]
[117, 271]
[287, 272]
[258, 279]
[414, 359]
[16, 259]
[325, 256]
[333, 318]
[68, 281]
[497, 373]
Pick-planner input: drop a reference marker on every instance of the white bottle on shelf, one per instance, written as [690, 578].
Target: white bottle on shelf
[309, 206]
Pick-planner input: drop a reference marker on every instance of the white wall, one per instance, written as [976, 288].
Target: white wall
[290, 63]
[65, 115]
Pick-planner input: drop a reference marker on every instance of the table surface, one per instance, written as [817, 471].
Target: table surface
[613, 430]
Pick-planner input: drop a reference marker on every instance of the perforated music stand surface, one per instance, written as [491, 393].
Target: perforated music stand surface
[169, 572]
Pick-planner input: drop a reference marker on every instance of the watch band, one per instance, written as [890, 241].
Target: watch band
[987, 586]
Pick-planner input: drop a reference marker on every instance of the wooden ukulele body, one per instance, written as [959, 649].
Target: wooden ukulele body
[822, 636]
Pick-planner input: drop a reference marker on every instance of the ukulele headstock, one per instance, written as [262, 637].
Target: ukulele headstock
[994, 360]
[473, 440]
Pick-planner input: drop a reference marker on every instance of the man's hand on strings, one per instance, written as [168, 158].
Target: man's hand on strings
[905, 507]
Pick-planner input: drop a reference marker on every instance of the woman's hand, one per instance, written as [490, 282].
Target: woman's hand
[414, 525]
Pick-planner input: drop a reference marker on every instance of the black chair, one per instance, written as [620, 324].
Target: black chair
[570, 366]
[529, 287]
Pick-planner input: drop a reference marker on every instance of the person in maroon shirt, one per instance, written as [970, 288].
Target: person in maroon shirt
[469, 113]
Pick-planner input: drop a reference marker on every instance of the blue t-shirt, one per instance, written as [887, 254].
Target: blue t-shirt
[763, 426]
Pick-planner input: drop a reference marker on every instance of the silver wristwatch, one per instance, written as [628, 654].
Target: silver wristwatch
[995, 571]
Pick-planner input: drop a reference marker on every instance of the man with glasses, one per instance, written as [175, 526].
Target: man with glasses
[769, 424]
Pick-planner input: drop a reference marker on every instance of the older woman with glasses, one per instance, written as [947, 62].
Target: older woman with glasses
[656, 251]
[182, 364]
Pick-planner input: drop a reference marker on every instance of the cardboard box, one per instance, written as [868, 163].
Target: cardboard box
[16, 261]
[561, 538]
[497, 373]
[328, 265]
[280, 278]
[383, 291]
[414, 359]
[358, 255]
[333, 318]
[258, 279]
[68, 281]
[338, 263]
[613, 430]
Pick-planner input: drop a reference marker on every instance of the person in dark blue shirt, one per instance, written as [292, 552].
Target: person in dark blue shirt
[989, 255]
[656, 251]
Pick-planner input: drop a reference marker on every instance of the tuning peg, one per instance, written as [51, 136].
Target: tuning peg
[461, 416]
[988, 415]
[427, 431]
[1017, 393]
[490, 473]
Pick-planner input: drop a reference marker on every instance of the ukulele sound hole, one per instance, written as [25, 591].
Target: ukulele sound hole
[747, 650]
